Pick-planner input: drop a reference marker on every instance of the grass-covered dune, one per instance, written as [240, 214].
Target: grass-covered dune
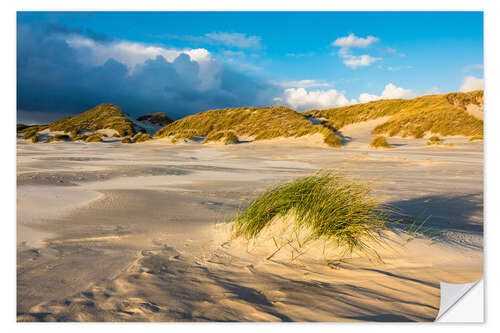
[444, 115]
[159, 119]
[100, 117]
[258, 123]
[103, 116]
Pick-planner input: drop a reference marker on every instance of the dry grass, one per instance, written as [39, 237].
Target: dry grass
[159, 118]
[35, 138]
[94, 137]
[441, 114]
[434, 140]
[59, 137]
[127, 139]
[333, 140]
[141, 137]
[262, 123]
[231, 138]
[476, 138]
[228, 137]
[101, 117]
[31, 131]
[380, 142]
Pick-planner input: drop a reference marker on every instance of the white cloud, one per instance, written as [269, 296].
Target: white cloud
[353, 41]
[301, 99]
[131, 53]
[365, 98]
[390, 92]
[303, 84]
[358, 61]
[472, 83]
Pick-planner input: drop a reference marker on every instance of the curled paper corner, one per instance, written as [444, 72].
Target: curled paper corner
[457, 306]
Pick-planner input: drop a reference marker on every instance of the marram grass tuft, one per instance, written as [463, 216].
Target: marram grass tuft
[327, 203]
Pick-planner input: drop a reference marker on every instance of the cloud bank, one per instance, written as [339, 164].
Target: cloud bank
[62, 71]
[390, 92]
[472, 83]
[301, 99]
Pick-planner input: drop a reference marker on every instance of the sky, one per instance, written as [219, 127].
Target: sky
[181, 63]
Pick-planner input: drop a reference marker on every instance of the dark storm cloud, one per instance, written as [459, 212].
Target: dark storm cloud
[52, 79]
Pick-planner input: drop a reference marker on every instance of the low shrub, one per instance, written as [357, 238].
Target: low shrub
[380, 142]
[333, 140]
[476, 138]
[141, 137]
[35, 138]
[94, 137]
[230, 138]
[127, 139]
[434, 140]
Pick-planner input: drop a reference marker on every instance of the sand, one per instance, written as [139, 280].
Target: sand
[117, 232]
[476, 111]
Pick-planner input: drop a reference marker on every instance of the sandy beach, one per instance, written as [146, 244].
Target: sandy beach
[117, 232]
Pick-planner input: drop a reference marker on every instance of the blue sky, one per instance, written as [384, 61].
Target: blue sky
[300, 59]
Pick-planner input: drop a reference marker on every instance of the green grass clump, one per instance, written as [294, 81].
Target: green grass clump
[333, 140]
[94, 137]
[326, 203]
[259, 123]
[442, 114]
[434, 140]
[476, 138]
[380, 142]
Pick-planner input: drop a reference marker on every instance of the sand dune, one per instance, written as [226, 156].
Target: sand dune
[141, 233]
[475, 110]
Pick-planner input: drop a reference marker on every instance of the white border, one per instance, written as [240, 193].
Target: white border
[8, 174]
